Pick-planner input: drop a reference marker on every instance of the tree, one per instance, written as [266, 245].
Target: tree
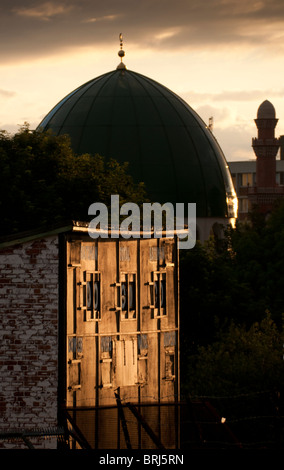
[258, 248]
[241, 360]
[238, 283]
[43, 182]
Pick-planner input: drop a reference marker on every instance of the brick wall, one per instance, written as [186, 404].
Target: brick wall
[29, 337]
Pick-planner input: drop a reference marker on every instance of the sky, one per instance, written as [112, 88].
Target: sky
[223, 57]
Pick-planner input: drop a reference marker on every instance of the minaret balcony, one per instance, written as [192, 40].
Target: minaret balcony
[266, 142]
[265, 147]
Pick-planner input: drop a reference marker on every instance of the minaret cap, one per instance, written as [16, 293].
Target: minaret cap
[266, 110]
[121, 54]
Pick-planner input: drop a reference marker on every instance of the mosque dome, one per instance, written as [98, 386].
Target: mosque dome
[266, 110]
[131, 118]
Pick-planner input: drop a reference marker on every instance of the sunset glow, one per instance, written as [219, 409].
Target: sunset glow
[222, 57]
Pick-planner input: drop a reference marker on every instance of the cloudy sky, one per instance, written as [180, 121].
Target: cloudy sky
[224, 57]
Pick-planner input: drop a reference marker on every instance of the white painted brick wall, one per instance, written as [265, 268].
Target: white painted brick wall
[29, 336]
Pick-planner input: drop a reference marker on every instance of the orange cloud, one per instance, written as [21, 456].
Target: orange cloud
[45, 11]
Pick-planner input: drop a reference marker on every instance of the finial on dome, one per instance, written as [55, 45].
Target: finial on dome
[121, 53]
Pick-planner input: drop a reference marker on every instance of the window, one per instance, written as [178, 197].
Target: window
[280, 178]
[169, 366]
[91, 296]
[75, 253]
[247, 179]
[243, 205]
[106, 361]
[142, 358]
[169, 345]
[75, 351]
[126, 295]
[75, 346]
[158, 294]
[142, 344]
[126, 362]
[74, 375]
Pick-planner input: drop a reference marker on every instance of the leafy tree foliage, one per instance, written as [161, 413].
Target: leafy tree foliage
[43, 182]
[241, 360]
[227, 339]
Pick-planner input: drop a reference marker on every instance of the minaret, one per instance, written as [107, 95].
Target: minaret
[266, 146]
[266, 191]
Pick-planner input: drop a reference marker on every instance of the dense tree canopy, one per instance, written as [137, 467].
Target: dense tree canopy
[242, 360]
[43, 182]
[228, 293]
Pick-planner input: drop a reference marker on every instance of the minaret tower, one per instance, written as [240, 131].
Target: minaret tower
[266, 191]
[266, 146]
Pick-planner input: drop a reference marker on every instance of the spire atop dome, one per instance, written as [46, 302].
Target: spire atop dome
[121, 54]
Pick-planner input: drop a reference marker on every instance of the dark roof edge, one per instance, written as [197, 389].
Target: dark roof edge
[41, 232]
[74, 226]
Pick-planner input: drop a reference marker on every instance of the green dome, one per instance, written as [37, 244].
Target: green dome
[129, 117]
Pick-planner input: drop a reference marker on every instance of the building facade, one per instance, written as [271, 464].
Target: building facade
[85, 323]
[244, 176]
[121, 317]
